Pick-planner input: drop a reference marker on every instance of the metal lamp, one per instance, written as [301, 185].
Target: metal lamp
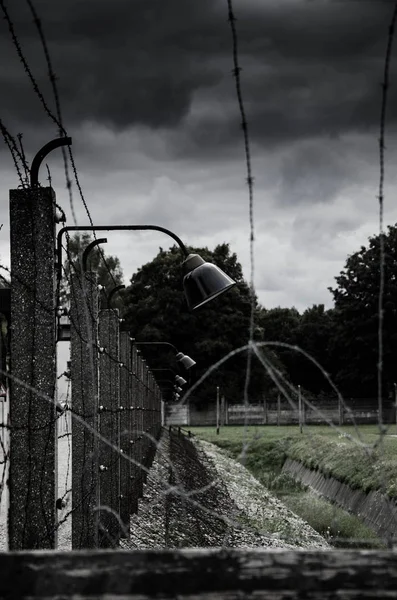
[203, 281]
[185, 360]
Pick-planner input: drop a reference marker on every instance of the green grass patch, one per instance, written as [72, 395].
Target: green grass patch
[339, 528]
[359, 458]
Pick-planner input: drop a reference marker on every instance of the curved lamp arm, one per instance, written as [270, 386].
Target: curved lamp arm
[42, 153]
[156, 344]
[113, 292]
[165, 369]
[88, 250]
[112, 228]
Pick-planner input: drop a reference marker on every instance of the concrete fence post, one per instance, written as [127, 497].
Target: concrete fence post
[125, 432]
[84, 377]
[159, 405]
[151, 428]
[145, 414]
[139, 421]
[109, 417]
[133, 486]
[32, 521]
[163, 413]
[217, 410]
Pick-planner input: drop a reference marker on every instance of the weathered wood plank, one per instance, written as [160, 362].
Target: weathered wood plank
[198, 574]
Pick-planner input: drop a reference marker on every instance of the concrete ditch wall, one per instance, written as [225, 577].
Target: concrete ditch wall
[375, 509]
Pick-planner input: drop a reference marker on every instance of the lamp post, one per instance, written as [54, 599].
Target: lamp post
[87, 251]
[202, 281]
[32, 518]
[181, 358]
[178, 379]
[169, 386]
[113, 292]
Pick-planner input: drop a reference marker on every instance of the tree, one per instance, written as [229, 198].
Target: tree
[282, 325]
[356, 297]
[314, 336]
[311, 332]
[107, 267]
[156, 310]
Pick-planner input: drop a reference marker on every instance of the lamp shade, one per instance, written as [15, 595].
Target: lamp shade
[180, 380]
[203, 281]
[185, 360]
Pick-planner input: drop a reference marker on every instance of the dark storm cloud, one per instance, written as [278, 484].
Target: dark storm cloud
[313, 173]
[121, 63]
[309, 68]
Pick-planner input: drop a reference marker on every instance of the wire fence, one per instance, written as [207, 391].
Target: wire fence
[102, 438]
[101, 471]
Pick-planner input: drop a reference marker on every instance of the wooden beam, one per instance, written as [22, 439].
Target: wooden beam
[199, 574]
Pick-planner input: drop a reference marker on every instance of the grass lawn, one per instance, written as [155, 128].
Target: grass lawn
[359, 457]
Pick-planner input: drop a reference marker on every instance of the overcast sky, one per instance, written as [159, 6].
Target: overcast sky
[148, 96]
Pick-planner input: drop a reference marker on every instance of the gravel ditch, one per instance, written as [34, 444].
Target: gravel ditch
[234, 510]
[246, 515]
[265, 516]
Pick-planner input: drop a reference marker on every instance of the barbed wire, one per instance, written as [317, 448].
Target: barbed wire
[276, 374]
[385, 87]
[14, 151]
[250, 181]
[57, 120]
[27, 68]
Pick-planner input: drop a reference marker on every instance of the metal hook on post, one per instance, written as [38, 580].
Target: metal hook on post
[88, 250]
[42, 153]
[112, 292]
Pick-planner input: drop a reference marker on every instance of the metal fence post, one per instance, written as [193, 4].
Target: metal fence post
[300, 409]
[32, 521]
[340, 407]
[84, 376]
[109, 416]
[278, 409]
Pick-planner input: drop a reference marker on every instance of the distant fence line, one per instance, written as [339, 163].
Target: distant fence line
[280, 412]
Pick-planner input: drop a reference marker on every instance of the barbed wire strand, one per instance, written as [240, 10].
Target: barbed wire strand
[385, 87]
[12, 147]
[250, 182]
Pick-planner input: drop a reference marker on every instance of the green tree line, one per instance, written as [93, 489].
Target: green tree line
[342, 339]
